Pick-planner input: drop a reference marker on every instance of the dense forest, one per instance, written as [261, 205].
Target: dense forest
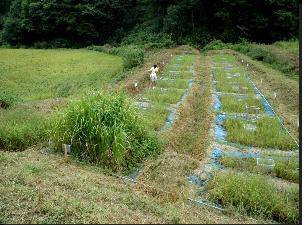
[79, 23]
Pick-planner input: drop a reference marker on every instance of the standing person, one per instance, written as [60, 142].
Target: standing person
[153, 75]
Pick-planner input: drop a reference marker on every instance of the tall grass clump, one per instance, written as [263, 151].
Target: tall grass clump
[253, 195]
[105, 129]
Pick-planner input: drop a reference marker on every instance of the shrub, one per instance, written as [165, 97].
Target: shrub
[149, 39]
[216, 45]
[254, 195]
[132, 57]
[104, 129]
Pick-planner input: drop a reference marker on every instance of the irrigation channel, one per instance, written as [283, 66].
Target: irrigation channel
[161, 103]
[245, 127]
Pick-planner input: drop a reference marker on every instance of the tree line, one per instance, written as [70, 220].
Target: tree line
[78, 23]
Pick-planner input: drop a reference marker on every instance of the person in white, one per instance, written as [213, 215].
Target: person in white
[153, 75]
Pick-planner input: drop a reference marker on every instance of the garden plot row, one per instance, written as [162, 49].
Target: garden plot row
[159, 104]
[254, 162]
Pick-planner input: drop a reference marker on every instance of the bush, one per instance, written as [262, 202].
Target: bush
[149, 39]
[254, 195]
[104, 129]
[216, 45]
[132, 57]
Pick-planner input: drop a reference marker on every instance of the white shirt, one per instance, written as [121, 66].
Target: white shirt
[154, 70]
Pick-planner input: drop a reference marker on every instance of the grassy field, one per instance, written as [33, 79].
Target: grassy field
[42, 74]
[34, 78]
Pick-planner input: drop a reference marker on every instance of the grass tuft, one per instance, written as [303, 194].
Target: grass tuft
[104, 129]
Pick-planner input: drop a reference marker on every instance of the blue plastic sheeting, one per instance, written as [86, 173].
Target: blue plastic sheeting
[190, 83]
[216, 154]
[217, 103]
[220, 132]
[267, 107]
[196, 180]
[172, 114]
[169, 119]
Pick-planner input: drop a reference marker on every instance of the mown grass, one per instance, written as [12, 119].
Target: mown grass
[256, 196]
[233, 104]
[40, 74]
[43, 188]
[268, 134]
[20, 128]
[190, 134]
[286, 169]
[104, 129]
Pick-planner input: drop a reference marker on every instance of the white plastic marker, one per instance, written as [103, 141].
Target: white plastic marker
[171, 55]
[247, 65]
[135, 84]
[67, 150]
[242, 60]
[274, 95]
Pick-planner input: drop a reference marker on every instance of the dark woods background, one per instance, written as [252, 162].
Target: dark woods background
[79, 23]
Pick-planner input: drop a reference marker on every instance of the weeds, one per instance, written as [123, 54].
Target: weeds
[104, 129]
[267, 134]
[253, 195]
[286, 169]
[233, 104]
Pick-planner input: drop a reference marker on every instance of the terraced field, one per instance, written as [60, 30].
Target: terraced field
[227, 153]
